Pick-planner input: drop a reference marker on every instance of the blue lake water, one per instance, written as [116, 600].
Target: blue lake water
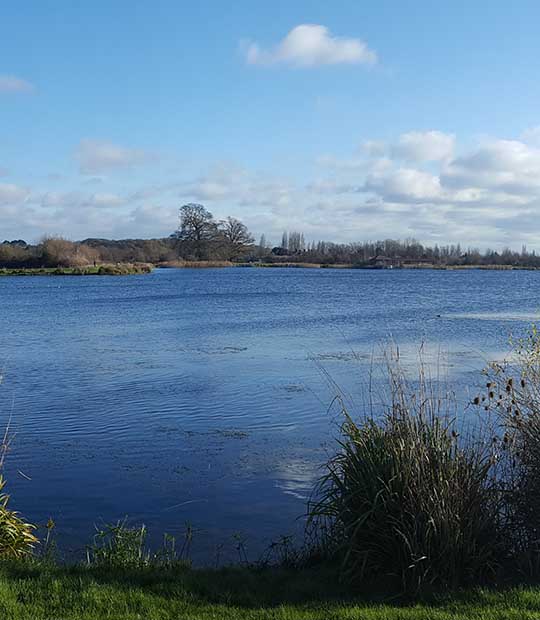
[202, 396]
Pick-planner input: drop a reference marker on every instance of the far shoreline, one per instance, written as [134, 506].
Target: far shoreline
[301, 265]
[126, 269]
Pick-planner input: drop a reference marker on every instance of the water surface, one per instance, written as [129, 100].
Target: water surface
[200, 395]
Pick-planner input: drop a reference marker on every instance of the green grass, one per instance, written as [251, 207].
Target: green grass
[35, 592]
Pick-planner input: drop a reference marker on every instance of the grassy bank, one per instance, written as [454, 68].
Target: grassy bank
[120, 269]
[34, 592]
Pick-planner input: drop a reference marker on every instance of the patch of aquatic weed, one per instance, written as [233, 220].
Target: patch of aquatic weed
[411, 497]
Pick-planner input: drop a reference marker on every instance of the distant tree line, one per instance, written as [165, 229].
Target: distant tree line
[60, 252]
[397, 252]
[200, 237]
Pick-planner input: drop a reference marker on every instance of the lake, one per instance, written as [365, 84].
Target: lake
[203, 396]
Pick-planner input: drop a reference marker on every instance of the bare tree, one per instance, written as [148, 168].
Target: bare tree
[296, 242]
[236, 236]
[197, 228]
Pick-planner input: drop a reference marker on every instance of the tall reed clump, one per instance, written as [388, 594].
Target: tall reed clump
[513, 394]
[406, 499]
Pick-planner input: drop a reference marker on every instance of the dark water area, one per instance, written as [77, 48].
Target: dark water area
[202, 396]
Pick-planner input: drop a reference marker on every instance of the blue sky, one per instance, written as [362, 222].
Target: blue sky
[347, 120]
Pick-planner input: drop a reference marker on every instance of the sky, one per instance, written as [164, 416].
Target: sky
[348, 120]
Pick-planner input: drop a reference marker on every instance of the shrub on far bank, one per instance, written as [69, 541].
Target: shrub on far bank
[59, 252]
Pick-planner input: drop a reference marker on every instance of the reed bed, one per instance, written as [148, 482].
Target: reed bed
[408, 500]
[419, 498]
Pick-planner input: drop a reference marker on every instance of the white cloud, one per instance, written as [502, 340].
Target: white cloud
[509, 166]
[424, 146]
[12, 84]
[12, 194]
[488, 195]
[310, 45]
[375, 148]
[404, 185]
[353, 163]
[146, 221]
[78, 199]
[104, 199]
[238, 186]
[330, 186]
[96, 156]
[532, 135]
[60, 199]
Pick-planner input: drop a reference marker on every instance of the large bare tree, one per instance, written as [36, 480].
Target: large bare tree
[236, 236]
[197, 228]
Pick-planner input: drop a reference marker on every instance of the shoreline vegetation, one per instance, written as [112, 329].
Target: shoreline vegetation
[202, 241]
[119, 269]
[422, 513]
[300, 265]
[123, 269]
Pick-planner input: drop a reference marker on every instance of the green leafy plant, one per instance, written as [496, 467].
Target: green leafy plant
[117, 545]
[17, 538]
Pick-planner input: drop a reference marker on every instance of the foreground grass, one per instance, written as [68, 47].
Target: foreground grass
[34, 592]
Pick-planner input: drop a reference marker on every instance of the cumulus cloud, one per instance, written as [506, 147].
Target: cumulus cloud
[532, 135]
[414, 146]
[238, 186]
[420, 184]
[77, 199]
[311, 45]
[485, 195]
[510, 166]
[96, 157]
[424, 146]
[404, 184]
[375, 148]
[12, 194]
[350, 163]
[147, 220]
[330, 186]
[10, 84]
